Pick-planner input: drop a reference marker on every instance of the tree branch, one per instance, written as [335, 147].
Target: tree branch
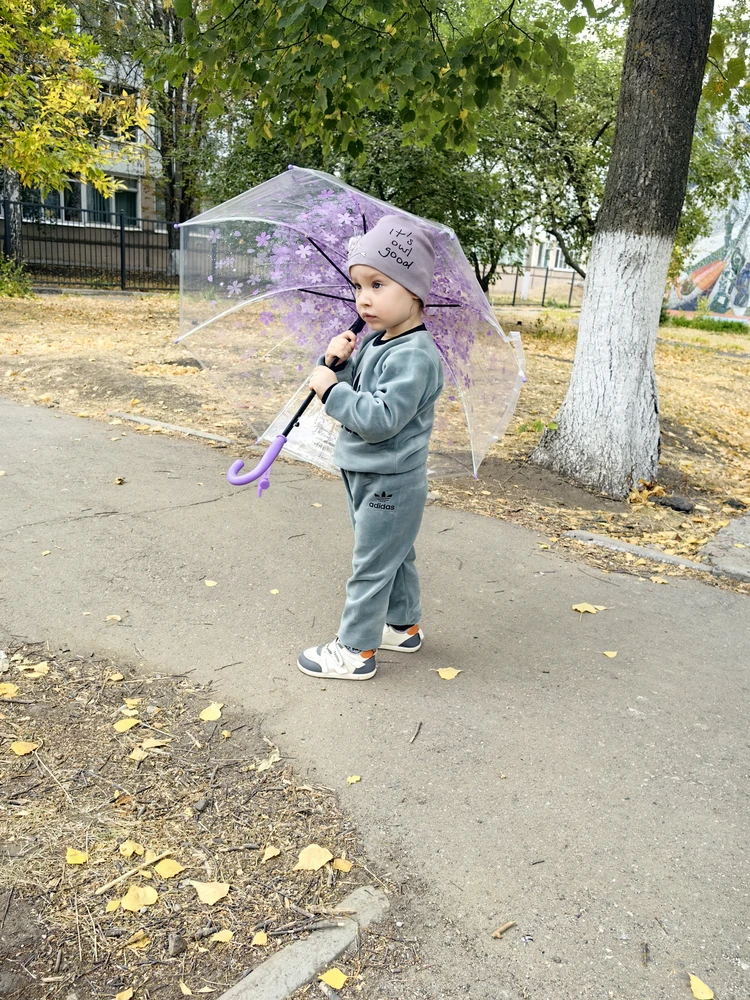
[566, 251]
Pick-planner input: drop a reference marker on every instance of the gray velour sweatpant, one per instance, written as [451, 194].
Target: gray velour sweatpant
[386, 511]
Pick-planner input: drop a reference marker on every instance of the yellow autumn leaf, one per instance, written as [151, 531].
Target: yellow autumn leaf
[153, 741]
[353, 779]
[116, 677]
[74, 857]
[112, 905]
[274, 591]
[659, 579]
[212, 712]
[8, 690]
[139, 941]
[210, 583]
[125, 994]
[223, 936]
[150, 856]
[585, 609]
[138, 896]
[35, 670]
[132, 702]
[129, 713]
[334, 978]
[611, 653]
[699, 988]
[113, 618]
[123, 725]
[20, 748]
[168, 868]
[210, 892]
[47, 552]
[226, 733]
[448, 673]
[185, 990]
[206, 989]
[270, 852]
[342, 865]
[316, 505]
[259, 939]
[137, 754]
[312, 858]
[130, 847]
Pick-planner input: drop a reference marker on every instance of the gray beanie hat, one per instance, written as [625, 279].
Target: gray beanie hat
[398, 248]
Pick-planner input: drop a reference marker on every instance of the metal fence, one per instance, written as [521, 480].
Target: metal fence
[541, 286]
[93, 249]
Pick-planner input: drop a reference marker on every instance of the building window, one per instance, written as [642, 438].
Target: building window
[106, 211]
[57, 206]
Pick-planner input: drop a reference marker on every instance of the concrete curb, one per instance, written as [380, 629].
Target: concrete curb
[639, 550]
[298, 963]
[169, 427]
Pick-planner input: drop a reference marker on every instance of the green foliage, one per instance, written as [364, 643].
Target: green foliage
[14, 280]
[708, 323]
[51, 115]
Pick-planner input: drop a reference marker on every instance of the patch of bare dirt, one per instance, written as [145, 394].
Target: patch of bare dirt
[148, 842]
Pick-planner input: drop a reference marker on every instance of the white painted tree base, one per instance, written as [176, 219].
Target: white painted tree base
[608, 426]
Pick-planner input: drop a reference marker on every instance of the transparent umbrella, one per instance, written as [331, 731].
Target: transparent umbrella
[264, 286]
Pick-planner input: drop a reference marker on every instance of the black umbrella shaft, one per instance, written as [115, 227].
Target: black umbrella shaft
[356, 327]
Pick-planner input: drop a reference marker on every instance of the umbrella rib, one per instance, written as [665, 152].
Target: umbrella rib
[321, 251]
[325, 295]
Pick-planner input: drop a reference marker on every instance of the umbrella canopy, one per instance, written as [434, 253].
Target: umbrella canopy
[264, 286]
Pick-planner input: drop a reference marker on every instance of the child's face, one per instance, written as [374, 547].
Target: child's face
[382, 302]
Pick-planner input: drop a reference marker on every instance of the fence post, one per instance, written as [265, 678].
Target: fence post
[572, 283]
[6, 227]
[123, 272]
[544, 290]
[515, 287]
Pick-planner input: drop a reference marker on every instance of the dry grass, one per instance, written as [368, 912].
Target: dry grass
[214, 801]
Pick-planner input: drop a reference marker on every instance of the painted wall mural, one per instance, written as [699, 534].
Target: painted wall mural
[719, 273]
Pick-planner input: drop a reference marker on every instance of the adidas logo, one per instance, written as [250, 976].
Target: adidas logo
[382, 503]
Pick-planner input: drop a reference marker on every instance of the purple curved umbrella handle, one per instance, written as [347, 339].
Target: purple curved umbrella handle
[261, 469]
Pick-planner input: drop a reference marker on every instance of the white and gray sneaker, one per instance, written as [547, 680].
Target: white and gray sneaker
[337, 661]
[407, 640]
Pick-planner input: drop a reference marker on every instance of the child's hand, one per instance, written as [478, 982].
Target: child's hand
[341, 347]
[321, 379]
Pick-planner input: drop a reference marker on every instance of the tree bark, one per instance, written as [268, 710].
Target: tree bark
[11, 192]
[607, 434]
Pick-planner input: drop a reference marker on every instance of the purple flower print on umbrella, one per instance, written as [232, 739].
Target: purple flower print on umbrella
[296, 228]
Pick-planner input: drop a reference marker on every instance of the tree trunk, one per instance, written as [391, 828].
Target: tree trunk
[607, 434]
[11, 194]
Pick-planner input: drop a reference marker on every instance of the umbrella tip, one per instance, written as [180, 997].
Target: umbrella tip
[290, 166]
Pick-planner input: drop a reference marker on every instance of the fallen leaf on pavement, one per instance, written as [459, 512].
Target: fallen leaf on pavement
[312, 858]
[259, 939]
[112, 905]
[123, 725]
[210, 892]
[152, 741]
[47, 552]
[699, 988]
[611, 653]
[316, 505]
[212, 712]
[334, 978]
[210, 583]
[125, 994]
[119, 481]
[20, 748]
[8, 690]
[226, 733]
[138, 896]
[274, 591]
[273, 758]
[342, 865]
[116, 677]
[448, 673]
[113, 618]
[659, 579]
[74, 857]
[185, 990]
[137, 754]
[353, 779]
[270, 852]
[168, 868]
[590, 609]
[139, 941]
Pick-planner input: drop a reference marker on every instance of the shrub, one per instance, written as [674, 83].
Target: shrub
[14, 281]
[710, 324]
